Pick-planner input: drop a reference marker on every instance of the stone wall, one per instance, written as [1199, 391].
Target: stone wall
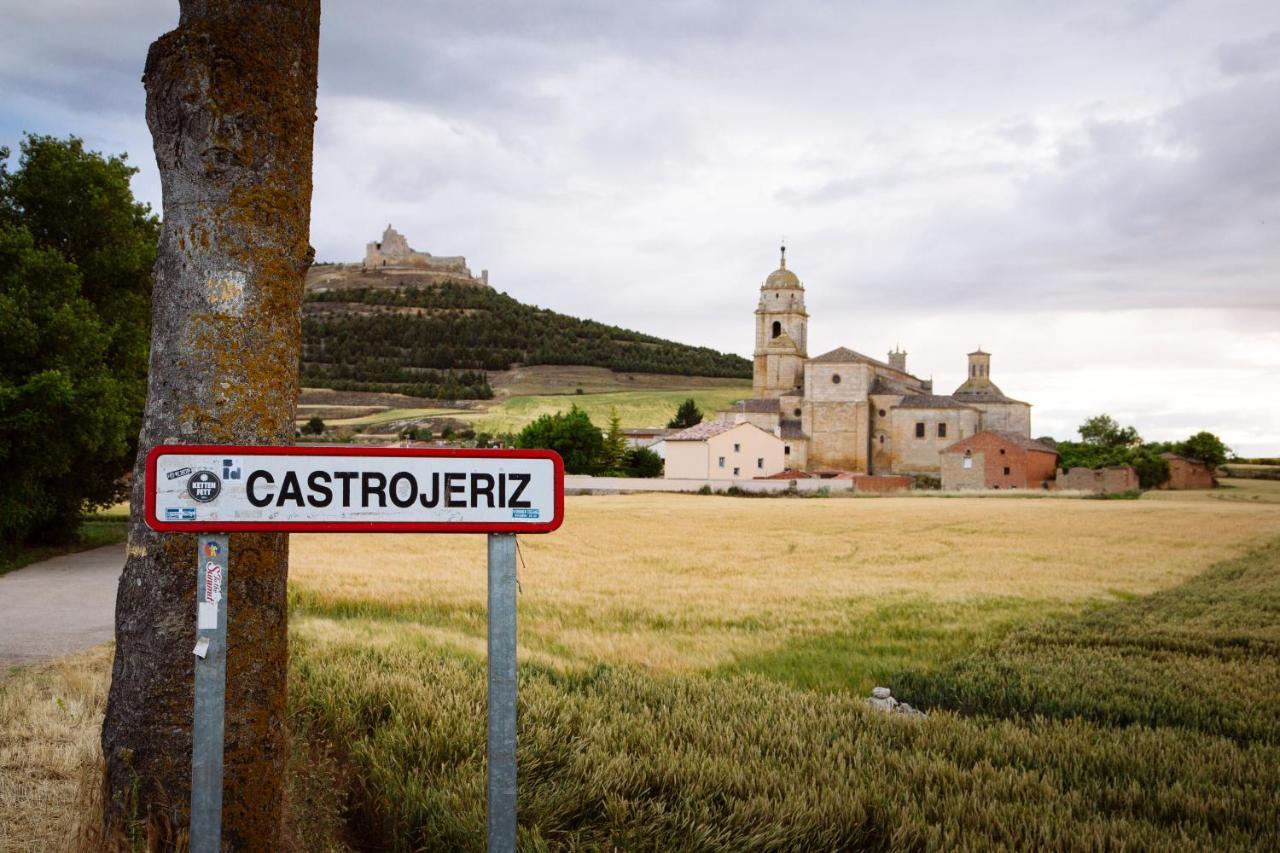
[1005, 417]
[915, 455]
[1188, 474]
[1104, 481]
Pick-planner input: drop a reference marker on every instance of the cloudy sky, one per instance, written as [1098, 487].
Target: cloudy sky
[1091, 191]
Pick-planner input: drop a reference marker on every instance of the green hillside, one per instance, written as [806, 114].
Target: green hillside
[437, 341]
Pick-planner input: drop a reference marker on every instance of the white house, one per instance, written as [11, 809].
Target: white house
[721, 450]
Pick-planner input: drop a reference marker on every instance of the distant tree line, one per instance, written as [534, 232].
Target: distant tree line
[1104, 443]
[460, 328]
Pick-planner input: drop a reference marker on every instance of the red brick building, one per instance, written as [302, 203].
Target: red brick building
[1186, 473]
[998, 460]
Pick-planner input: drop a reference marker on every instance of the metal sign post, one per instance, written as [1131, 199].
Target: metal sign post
[502, 693]
[212, 562]
[211, 490]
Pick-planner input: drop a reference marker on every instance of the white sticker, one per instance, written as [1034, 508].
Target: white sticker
[202, 647]
[207, 617]
[212, 581]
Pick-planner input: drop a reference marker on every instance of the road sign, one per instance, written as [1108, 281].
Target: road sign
[336, 489]
[217, 489]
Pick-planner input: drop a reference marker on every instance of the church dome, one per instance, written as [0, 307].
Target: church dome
[782, 277]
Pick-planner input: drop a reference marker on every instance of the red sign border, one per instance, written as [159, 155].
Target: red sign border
[348, 526]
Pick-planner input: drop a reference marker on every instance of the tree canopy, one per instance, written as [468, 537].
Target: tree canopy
[686, 416]
[76, 252]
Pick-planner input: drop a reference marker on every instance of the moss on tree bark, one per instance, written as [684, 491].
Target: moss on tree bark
[231, 106]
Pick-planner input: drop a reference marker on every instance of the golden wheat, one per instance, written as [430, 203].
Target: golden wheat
[684, 581]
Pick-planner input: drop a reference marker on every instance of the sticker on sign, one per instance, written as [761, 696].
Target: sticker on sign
[230, 488]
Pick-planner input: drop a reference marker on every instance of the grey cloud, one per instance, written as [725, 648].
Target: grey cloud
[1254, 56]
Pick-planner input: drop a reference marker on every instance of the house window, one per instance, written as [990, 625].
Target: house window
[942, 430]
[919, 429]
[786, 451]
[1002, 451]
[721, 461]
[1006, 470]
[760, 462]
[968, 459]
[835, 378]
[735, 472]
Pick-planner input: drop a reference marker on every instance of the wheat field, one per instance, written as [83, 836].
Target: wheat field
[689, 582]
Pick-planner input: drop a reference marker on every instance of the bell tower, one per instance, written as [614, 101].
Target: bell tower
[782, 334]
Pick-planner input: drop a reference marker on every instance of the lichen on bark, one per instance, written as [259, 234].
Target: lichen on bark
[231, 107]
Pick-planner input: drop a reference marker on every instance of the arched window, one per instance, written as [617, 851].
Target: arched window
[777, 328]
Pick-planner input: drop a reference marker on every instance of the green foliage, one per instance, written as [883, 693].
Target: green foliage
[642, 462]
[1202, 658]
[571, 434]
[437, 342]
[75, 277]
[686, 416]
[1205, 447]
[314, 426]
[615, 443]
[1104, 431]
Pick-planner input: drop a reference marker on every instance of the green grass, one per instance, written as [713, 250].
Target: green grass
[635, 408]
[1150, 723]
[107, 527]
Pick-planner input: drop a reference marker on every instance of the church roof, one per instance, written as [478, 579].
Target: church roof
[929, 401]
[988, 394]
[783, 278]
[844, 355]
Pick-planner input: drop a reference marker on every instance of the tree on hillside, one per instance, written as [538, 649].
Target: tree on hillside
[231, 105]
[75, 284]
[686, 416]
[615, 443]
[1205, 447]
[571, 434]
[1104, 431]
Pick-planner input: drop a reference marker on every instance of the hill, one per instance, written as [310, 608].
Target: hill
[374, 332]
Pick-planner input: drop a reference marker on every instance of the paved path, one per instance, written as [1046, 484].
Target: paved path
[59, 606]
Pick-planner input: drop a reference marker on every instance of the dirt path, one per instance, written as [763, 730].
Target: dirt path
[58, 606]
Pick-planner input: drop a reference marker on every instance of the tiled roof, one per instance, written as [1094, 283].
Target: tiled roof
[703, 431]
[844, 355]
[929, 401]
[1015, 438]
[994, 395]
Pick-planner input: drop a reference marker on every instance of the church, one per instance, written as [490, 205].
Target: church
[845, 411]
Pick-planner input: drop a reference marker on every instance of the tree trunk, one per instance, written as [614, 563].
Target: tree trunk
[231, 97]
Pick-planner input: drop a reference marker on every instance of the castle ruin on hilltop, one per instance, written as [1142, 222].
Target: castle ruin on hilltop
[393, 253]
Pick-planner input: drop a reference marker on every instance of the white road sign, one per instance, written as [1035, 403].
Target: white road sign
[309, 488]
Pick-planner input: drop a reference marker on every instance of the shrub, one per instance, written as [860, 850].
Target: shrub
[643, 462]
[314, 426]
[571, 434]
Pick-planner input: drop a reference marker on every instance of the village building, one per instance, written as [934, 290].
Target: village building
[845, 411]
[722, 450]
[1187, 473]
[998, 460]
[1107, 481]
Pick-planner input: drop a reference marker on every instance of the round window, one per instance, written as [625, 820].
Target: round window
[798, 413]
[835, 378]
[881, 413]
